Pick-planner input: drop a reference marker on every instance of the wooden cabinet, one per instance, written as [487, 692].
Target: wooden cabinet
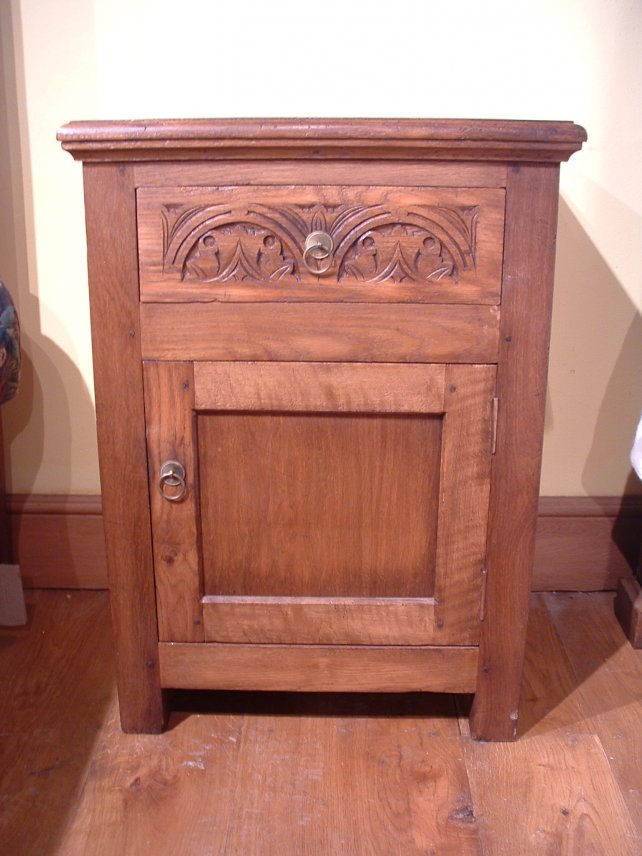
[320, 360]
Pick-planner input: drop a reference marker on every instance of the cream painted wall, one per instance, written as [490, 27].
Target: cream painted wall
[533, 59]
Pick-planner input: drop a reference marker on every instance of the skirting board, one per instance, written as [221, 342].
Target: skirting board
[58, 540]
[583, 543]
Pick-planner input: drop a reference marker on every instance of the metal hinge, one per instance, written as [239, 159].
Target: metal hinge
[493, 434]
[482, 599]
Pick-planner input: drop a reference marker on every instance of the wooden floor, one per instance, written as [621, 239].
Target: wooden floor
[288, 775]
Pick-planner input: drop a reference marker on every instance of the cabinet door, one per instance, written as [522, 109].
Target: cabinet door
[324, 503]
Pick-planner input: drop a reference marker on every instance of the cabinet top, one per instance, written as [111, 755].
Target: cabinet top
[407, 139]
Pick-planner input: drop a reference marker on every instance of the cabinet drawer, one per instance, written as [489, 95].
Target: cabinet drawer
[389, 244]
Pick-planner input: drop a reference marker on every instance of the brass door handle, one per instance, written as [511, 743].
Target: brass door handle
[317, 255]
[171, 482]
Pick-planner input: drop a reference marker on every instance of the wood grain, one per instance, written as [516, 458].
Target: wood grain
[169, 404]
[312, 773]
[582, 553]
[333, 387]
[550, 700]
[318, 504]
[521, 388]
[608, 672]
[595, 540]
[573, 783]
[441, 139]
[538, 796]
[320, 332]
[320, 621]
[113, 287]
[159, 793]
[297, 668]
[57, 683]
[356, 172]
[60, 549]
[401, 244]
[463, 503]
[357, 783]
[243, 777]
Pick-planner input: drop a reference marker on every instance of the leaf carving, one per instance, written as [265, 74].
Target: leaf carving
[373, 244]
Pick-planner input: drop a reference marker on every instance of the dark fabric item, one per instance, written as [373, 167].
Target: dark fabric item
[9, 346]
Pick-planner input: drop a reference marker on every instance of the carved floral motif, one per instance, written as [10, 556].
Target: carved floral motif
[397, 254]
[372, 243]
[237, 252]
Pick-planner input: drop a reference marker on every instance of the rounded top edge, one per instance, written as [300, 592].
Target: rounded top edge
[303, 129]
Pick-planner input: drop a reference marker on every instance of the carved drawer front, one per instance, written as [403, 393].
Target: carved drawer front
[388, 244]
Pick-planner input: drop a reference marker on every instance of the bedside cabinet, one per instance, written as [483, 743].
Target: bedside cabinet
[320, 356]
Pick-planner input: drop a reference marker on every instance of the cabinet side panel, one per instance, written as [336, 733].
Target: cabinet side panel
[113, 286]
[529, 256]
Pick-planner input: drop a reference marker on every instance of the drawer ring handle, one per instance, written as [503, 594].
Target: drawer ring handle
[172, 477]
[318, 246]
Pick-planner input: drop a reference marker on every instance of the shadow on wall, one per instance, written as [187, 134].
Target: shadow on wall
[45, 425]
[621, 405]
[53, 396]
[596, 354]
[50, 381]
[597, 373]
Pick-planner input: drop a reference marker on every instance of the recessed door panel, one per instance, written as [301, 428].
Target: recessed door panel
[317, 504]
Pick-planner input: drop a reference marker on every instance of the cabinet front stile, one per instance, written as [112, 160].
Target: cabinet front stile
[169, 412]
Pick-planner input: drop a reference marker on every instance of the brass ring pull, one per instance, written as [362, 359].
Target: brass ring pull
[172, 476]
[318, 246]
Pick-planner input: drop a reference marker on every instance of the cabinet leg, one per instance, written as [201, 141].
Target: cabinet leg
[142, 701]
[628, 609]
[494, 714]
[143, 708]
[495, 710]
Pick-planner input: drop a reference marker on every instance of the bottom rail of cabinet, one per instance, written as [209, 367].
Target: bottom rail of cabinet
[318, 668]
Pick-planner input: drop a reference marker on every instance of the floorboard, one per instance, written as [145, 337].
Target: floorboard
[551, 698]
[553, 791]
[552, 795]
[609, 674]
[276, 773]
[57, 682]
